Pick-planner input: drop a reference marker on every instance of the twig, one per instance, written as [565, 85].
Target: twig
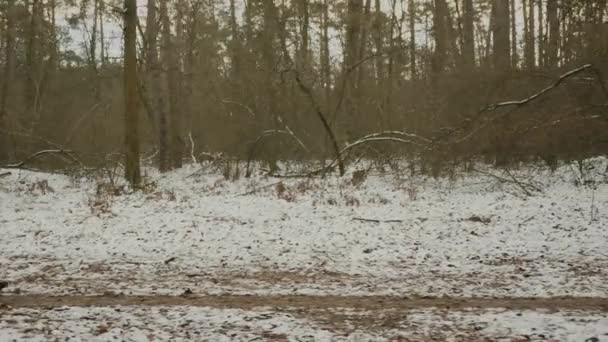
[5, 174]
[251, 112]
[376, 220]
[523, 186]
[192, 147]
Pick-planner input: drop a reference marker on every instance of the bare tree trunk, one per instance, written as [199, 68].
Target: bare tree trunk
[102, 37]
[541, 35]
[93, 52]
[391, 57]
[303, 54]
[501, 32]
[132, 169]
[412, 46]
[353, 32]
[354, 15]
[468, 34]
[235, 52]
[554, 38]
[9, 60]
[440, 32]
[365, 25]
[30, 92]
[156, 95]
[514, 54]
[171, 67]
[53, 63]
[530, 45]
[325, 62]
[378, 31]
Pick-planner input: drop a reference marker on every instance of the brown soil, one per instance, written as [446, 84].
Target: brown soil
[309, 302]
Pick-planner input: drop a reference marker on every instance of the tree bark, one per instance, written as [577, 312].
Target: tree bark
[378, 32]
[303, 53]
[325, 62]
[530, 37]
[541, 35]
[554, 37]
[171, 68]
[156, 96]
[9, 61]
[468, 34]
[440, 33]
[353, 32]
[365, 25]
[501, 32]
[411, 6]
[132, 168]
[514, 54]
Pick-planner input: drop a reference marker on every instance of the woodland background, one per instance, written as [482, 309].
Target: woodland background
[225, 75]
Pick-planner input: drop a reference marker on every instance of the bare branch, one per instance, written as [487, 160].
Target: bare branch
[376, 220]
[520, 103]
[251, 112]
[66, 153]
[323, 119]
[525, 187]
[540, 93]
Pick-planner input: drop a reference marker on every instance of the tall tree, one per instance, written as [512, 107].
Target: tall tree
[155, 89]
[530, 45]
[468, 48]
[554, 38]
[324, 53]
[514, 54]
[440, 33]
[541, 34]
[353, 32]
[411, 6]
[500, 34]
[132, 168]
[9, 62]
[302, 59]
[170, 65]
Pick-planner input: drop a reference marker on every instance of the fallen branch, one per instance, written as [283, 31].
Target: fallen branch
[376, 220]
[520, 103]
[542, 92]
[323, 120]
[66, 153]
[5, 174]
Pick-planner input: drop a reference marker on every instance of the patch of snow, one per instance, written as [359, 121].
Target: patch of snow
[216, 324]
[468, 236]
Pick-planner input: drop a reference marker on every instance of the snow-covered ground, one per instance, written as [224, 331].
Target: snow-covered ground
[467, 236]
[266, 324]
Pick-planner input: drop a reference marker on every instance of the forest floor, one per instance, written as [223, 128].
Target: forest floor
[377, 255]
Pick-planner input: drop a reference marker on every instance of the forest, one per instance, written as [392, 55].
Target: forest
[436, 80]
[304, 170]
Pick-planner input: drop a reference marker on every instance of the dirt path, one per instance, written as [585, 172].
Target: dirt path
[309, 302]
